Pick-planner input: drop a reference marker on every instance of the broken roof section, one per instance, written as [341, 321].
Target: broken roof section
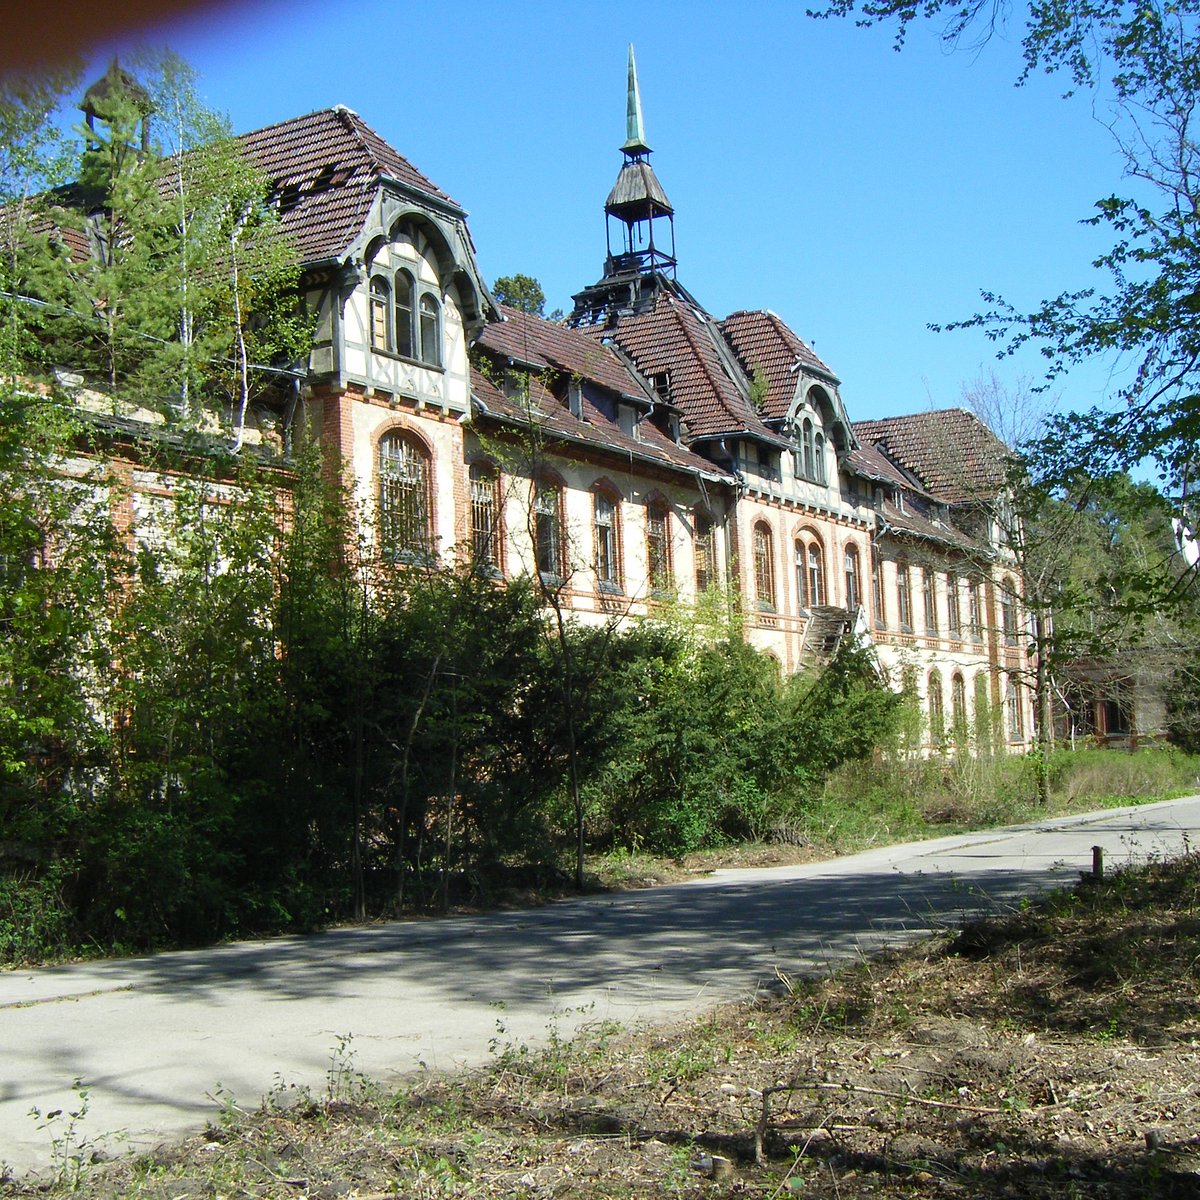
[539, 345]
[675, 340]
[325, 168]
[553, 359]
[951, 451]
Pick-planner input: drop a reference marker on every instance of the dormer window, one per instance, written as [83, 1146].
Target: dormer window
[660, 381]
[403, 319]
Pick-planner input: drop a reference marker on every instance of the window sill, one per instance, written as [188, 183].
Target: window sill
[608, 588]
[412, 362]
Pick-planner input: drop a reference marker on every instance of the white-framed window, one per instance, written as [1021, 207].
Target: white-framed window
[658, 547]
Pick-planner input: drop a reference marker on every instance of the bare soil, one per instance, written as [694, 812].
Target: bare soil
[1051, 1053]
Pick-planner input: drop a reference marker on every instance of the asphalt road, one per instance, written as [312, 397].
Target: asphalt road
[155, 1040]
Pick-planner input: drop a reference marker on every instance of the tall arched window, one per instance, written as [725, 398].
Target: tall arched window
[404, 343]
[1012, 703]
[548, 538]
[975, 607]
[853, 590]
[904, 595]
[705, 553]
[431, 331]
[953, 605]
[807, 450]
[605, 517]
[658, 547]
[380, 324]
[819, 458]
[930, 598]
[958, 705]
[877, 605]
[816, 573]
[764, 567]
[485, 518]
[1008, 610]
[937, 714]
[404, 525]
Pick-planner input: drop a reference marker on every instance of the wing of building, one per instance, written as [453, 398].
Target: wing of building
[641, 452]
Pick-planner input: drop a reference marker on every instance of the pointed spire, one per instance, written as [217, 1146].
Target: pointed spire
[635, 134]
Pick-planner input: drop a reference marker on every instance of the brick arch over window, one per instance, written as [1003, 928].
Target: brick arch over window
[404, 468]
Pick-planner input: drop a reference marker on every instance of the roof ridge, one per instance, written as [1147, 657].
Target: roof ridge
[316, 112]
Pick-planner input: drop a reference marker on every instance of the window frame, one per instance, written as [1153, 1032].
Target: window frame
[704, 552]
[904, 595]
[763, 545]
[850, 576]
[485, 536]
[659, 574]
[929, 598]
[606, 541]
[549, 529]
[404, 504]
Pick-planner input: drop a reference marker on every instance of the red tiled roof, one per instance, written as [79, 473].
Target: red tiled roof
[546, 344]
[763, 342]
[594, 429]
[952, 451]
[675, 336]
[333, 160]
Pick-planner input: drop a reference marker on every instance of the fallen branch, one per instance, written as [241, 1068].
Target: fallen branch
[764, 1120]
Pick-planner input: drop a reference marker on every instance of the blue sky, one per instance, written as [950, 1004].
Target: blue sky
[860, 193]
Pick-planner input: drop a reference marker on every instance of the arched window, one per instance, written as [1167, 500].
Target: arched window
[705, 554]
[548, 536]
[1012, 704]
[605, 518]
[658, 547]
[953, 605]
[404, 526]
[807, 450]
[819, 458]
[764, 567]
[937, 715]
[404, 315]
[816, 574]
[983, 711]
[380, 304]
[975, 607]
[904, 595]
[958, 705]
[853, 591]
[930, 597]
[485, 519]
[1008, 610]
[877, 606]
[431, 331]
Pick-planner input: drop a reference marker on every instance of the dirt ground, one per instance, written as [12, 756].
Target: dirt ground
[1053, 1053]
